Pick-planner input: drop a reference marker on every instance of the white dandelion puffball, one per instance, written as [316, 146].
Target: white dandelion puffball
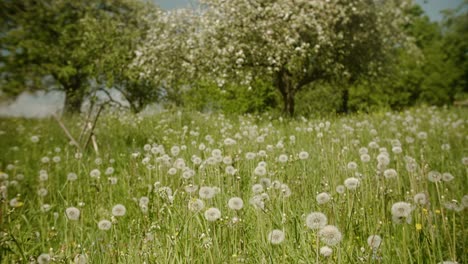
[323, 198]
[283, 158]
[80, 259]
[351, 183]
[401, 209]
[330, 235]
[326, 251]
[104, 225]
[250, 155]
[260, 171]
[212, 214]
[72, 176]
[374, 241]
[365, 157]
[235, 203]
[257, 188]
[464, 201]
[196, 205]
[276, 237]
[316, 220]
[447, 177]
[119, 210]
[340, 189]
[34, 139]
[95, 173]
[72, 213]
[390, 173]
[434, 176]
[206, 192]
[352, 165]
[420, 198]
[303, 155]
[43, 258]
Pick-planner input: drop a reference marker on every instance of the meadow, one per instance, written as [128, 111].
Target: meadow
[183, 187]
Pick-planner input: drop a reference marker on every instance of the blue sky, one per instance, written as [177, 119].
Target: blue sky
[432, 7]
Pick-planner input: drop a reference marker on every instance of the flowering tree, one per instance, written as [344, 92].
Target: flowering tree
[294, 43]
[169, 56]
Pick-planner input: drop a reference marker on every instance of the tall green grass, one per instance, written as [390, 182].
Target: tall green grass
[166, 231]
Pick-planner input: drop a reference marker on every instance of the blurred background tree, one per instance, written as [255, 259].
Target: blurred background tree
[64, 45]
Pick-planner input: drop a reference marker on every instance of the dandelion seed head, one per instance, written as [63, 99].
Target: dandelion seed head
[447, 177]
[323, 198]
[374, 241]
[206, 192]
[303, 155]
[283, 158]
[352, 165]
[326, 251]
[276, 237]
[196, 205]
[257, 188]
[316, 220]
[265, 182]
[80, 259]
[340, 189]
[330, 235]
[104, 225]
[72, 213]
[351, 183]
[260, 171]
[401, 209]
[235, 203]
[119, 210]
[420, 198]
[434, 176]
[44, 258]
[212, 214]
[95, 174]
[390, 173]
[72, 176]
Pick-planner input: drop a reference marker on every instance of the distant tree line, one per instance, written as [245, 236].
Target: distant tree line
[301, 57]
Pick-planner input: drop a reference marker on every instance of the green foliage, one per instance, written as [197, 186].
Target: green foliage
[232, 98]
[321, 99]
[72, 41]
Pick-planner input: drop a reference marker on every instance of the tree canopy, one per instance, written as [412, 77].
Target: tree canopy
[236, 55]
[68, 44]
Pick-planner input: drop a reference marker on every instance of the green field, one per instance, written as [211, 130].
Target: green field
[147, 195]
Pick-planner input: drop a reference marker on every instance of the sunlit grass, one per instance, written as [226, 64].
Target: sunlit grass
[194, 188]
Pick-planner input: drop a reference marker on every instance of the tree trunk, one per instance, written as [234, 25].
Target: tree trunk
[74, 95]
[286, 88]
[73, 101]
[344, 101]
[289, 103]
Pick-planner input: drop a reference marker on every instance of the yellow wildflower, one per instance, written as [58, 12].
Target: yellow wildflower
[418, 226]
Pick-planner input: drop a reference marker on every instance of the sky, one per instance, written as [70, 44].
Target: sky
[42, 104]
